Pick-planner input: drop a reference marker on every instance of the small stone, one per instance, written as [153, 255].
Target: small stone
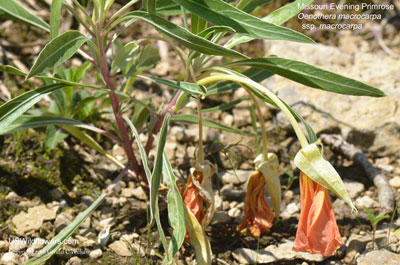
[220, 218]
[62, 221]
[10, 258]
[218, 202]
[127, 192]
[232, 195]
[24, 222]
[88, 243]
[272, 254]
[12, 196]
[17, 244]
[87, 200]
[139, 194]
[38, 243]
[355, 244]
[95, 254]
[120, 248]
[107, 222]
[381, 256]
[395, 182]
[56, 194]
[354, 188]
[3, 246]
[367, 202]
[234, 212]
[42, 211]
[74, 261]
[292, 208]
[235, 177]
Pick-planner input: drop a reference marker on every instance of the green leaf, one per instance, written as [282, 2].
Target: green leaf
[225, 106]
[141, 114]
[124, 56]
[176, 210]
[312, 76]
[191, 88]
[150, 6]
[156, 179]
[53, 136]
[276, 17]
[249, 6]
[83, 137]
[255, 74]
[61, 237]
[58, 50]
[147, 58]
[33, 121]
[11, 70]
[188, 118]
[55, 15]
[14, 108]
[197, 24]
[12, 10]
[168, 8]
[286, 12]
[184, 37]
[220, 13]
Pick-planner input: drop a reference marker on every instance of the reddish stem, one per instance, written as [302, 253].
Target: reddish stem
[105, 72]
[160, 121]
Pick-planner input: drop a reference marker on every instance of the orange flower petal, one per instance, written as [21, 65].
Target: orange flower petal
[317, 232]
[192, 199]
[258, 216]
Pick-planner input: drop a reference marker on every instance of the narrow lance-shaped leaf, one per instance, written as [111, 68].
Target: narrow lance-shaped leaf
[58, 50]
[276, 17]
[255, 74]
[14, 108]
[312, 76]
[181, 35]
[12, 10]
[61, 237]
[156, 179]
[220, 13]
[31, 121]
[191, 88]
[11, 70]
[55, 15]
[176, 210]
[249, 6]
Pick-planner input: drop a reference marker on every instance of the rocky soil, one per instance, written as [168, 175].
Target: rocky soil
[42, 190]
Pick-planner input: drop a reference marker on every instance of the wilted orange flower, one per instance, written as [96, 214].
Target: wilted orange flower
[191, 196]
[258, 216]
[317, 232]
[192, 199]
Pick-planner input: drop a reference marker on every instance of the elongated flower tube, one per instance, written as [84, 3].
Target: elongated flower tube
[258, 216]
[317, 231]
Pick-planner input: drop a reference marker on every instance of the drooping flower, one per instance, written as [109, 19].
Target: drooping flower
[317, 231]
[258, 216]
[191, 196]
[198, 195]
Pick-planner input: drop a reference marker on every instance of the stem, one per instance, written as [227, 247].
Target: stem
[160, 121]
[105, 72]
[265, 91]
[200, 153]
[118, 178]
[262, 123]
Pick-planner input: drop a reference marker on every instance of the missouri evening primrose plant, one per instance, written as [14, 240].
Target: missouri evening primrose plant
[204, 45]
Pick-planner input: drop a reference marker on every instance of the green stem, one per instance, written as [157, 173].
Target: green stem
[200, 152]
[262, 124]
[265, 91]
